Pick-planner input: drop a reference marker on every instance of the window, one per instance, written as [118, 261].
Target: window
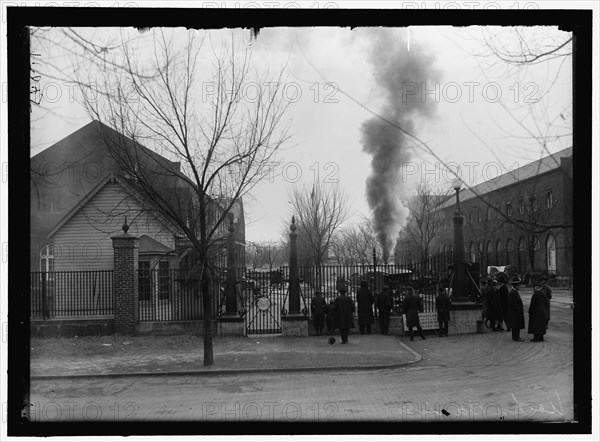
[533, 202]
[551, 253]
[508, 208]
[47, 258]
[163, 280]
[497, 211]
[144, 281]
[478, 215]
[521, 206]
[549, 201]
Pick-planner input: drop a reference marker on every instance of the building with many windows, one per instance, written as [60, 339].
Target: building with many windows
[523, 218]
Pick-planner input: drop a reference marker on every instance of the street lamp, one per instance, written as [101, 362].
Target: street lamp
[457, 184]
[460, 279]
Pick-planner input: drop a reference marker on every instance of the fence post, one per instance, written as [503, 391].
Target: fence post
[125, 282]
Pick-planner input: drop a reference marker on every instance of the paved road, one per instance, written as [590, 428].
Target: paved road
[468, 377]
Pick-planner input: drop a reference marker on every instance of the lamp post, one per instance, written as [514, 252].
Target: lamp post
[460, 292]
[294, 285]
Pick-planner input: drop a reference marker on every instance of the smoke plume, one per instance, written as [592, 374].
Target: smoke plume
[400, 74]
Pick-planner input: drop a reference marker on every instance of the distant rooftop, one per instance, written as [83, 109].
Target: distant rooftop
[535, 168]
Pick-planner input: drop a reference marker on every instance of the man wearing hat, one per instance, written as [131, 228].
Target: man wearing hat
[515, 316]
[503, 291]
[442, 306]
[384, 307]
[364, 298]
[494, 310]
[344, 310]
[548, 292]
[537, 314]
[412, 306]
[317, 308]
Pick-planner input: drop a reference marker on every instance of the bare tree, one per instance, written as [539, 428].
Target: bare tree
[425, 220]
[271, 253]
[354, 244]
[252, 255]
[218, 150]
[267, 253]
[535, 113]
[320, 211]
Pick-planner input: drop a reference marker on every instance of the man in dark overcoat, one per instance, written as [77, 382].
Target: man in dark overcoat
[503, 292]
[330, 317]
[537, 314]
[317, 308]
[412, 306]
[344, 312]
[548, 292]
[384, 307]
[494, 311]
[364, 297]
[442, 306]
[515, 317]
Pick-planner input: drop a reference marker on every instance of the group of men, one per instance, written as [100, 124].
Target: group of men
[502, 304]
[339, 313]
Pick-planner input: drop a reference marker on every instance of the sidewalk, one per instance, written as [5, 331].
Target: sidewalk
[122, 356]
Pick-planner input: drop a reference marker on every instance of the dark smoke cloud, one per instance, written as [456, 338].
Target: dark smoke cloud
[400, 74]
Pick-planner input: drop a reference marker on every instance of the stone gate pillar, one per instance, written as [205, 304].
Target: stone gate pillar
[125, 282]
[295, 322]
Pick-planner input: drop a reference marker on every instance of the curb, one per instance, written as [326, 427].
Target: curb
[232, 371]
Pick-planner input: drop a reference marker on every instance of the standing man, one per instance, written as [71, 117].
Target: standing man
[503, 292]
[344, 310]
[412, 306]
[537, 314]
[442, 305]
[384, 306]
[548, 292]
[494, 311]
[515, 318]
[364, 297]
[317, 307]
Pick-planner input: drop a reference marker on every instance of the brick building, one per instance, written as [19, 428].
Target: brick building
[523, 218]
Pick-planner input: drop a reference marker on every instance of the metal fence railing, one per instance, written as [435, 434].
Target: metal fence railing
[329, 279]
[174, 295]
[166, 294]
[71, 293]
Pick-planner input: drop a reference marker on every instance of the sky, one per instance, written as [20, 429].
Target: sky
[336, 79]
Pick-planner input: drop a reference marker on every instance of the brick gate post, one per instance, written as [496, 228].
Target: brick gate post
[125, 282]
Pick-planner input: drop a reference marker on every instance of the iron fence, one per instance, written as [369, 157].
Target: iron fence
[329, 279]
[71, 293]
[175, 295]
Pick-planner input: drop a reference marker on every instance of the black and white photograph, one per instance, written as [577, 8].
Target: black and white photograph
[301, 218]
